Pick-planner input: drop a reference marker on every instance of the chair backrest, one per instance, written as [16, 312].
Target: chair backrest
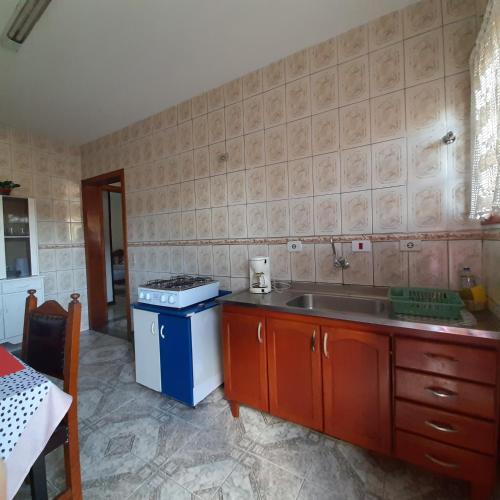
[51, 339]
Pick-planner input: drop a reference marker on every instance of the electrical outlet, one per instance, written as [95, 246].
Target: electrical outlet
[294, 246]
[361, 246]
[410, 245]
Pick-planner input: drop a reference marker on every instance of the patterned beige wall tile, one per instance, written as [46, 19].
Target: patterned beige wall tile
[199, 105]
[183, 112]
[459, 155]
[429, 267]
[386, 30]
[303, 264]
[300, 178]
[215, 98]
[218, 190]
[353, 43]
[325, 132]
[390, 265]
[298, 99]
[388, 116]
[257, 250]
[387, 70]
[275, 144]
[301, 216]
[424, 59]
[464, 253]
[426, 157]
[222, 266]
[324, 90]
[216, 126]
[426, 206]
[237, 221]
[390, 210]
[459, 39]
[217, 164]
[234, 120]
[187, 195]
[256, 185]
[253, 115]
[325, 271]
[278, 218]
[458, 198]
[273, 75]
[190, 260]
[277, 182]
[360, 271]
[201, 163]
[357, 212]
[202, 192]
[323, 55]
[205, 260]
[204, 223]
[189, 225]
[389, 163]
[356, 169]
[425, 106]
[297, 65]
[326, 174]
[354, 81]
[238, 256]
[454, 10]
[355, 125]
[254, 150]
[280, 262]
[327, 214]
[252, 83]
[257, 220]
[170, 141]
[422, 16]
[274, 107]
[233, 92]
[236, 192]
[457, 89]
[235, 154]
[299, 138]
[219, 222]
[175, 225]
[186, 165]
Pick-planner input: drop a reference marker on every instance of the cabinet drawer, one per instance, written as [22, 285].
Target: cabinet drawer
[450, 428]
[449, 394]
[479, 365]
[443, 458]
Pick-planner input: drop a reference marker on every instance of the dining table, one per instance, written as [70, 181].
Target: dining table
[31, 407]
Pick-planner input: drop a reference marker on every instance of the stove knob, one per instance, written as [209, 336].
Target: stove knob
[163, 298]
[171, 299]
[141, 295]
[148, 296]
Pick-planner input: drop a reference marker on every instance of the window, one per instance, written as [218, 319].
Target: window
[485, 116]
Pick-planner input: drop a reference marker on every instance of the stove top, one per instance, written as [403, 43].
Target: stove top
[178, 283]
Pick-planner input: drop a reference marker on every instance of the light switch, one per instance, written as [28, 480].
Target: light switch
[362, 246]
[410, 245]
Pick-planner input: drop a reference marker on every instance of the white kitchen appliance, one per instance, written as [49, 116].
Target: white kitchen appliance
[178, 291]
[260, 275]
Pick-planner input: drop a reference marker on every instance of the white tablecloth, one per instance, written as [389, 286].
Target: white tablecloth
[31, 407]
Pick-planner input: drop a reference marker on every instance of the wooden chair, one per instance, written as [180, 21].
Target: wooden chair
[50, 345]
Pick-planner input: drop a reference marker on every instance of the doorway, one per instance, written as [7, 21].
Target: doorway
[105, 229]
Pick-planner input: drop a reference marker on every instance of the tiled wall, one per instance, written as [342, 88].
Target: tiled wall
[491, 264]
[343, 138]
[50, 172]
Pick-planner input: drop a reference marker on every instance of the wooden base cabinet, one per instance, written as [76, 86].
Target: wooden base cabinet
[356, 387]
[433, 402]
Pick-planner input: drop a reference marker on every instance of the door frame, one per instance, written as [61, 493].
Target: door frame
[94, 242]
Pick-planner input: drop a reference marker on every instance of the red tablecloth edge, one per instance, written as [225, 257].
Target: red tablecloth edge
[8, 363]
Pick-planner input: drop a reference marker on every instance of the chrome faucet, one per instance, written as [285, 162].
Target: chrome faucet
[339, 262]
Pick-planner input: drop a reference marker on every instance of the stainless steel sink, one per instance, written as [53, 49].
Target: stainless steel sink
[338, 303]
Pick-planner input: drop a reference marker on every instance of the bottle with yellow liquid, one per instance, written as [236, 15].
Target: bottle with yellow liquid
[473, 295]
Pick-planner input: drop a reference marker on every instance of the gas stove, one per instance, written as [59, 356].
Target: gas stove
[178, 291]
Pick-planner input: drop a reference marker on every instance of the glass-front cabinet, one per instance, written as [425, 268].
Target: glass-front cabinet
[18, 247]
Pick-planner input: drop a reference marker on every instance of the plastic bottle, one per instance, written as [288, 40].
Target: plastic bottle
[467, 281]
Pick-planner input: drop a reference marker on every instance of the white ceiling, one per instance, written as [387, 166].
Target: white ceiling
[93, 66]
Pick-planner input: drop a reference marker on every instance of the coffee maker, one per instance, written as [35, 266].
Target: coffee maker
[260, 275]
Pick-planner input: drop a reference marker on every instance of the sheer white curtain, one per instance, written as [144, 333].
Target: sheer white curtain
[485, 115]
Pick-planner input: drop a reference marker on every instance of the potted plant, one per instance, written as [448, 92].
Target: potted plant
[7, 186]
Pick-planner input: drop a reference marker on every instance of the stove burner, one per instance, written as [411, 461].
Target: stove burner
[178, 283]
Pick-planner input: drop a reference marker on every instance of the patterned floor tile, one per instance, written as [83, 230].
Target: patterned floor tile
[161, 487]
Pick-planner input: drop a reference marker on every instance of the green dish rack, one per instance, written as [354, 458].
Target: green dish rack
[428, 302]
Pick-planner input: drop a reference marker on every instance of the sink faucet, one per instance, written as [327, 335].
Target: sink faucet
[339, 262]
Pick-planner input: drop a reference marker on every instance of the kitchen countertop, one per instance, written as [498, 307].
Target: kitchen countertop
[487, 326]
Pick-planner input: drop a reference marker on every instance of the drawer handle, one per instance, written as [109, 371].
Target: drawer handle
[325, 345]
[313, 341]
[432, 355]
[161, 332]
[440, 427]
[441, 393]
[259, 335]
[448, 465]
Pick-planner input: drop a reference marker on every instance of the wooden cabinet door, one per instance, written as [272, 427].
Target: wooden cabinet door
[356, 387]
[294, 362]
[245, 359]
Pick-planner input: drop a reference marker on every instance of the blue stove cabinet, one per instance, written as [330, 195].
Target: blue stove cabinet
[187, 342]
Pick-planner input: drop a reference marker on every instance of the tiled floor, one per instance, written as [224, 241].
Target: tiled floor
[138, 444]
